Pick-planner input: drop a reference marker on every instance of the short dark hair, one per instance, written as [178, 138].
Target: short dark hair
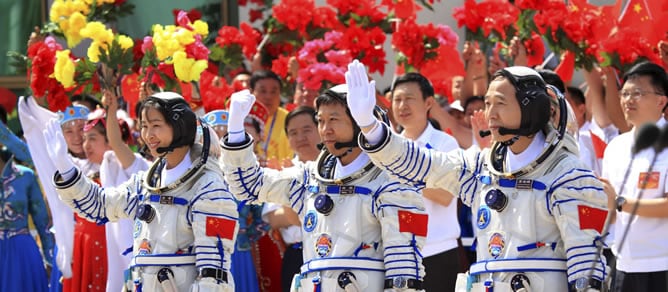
[576, 94]
[472, 99]
[425, 86]
[263, 74]
[300, 110]
[552, 78]
[657, 77]
[86, 98]
[331, 97]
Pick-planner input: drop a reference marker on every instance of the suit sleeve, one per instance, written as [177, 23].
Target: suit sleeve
[400, 210]
[456, 171]
[98, 204]
[215, 225]
[250, 182]
[579, 207]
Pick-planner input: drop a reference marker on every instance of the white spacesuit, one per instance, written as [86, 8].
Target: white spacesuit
[538, 226]
[184, 231]
[361, 231]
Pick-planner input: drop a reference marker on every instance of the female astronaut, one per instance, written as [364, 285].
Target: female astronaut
[185, 219]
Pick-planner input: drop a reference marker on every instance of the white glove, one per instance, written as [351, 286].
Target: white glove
[361, 97]
[240, 105]
[58, 147]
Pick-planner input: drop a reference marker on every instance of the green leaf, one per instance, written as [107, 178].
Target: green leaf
[607, 59]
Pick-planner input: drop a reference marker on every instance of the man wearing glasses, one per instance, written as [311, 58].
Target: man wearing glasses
[642, 260]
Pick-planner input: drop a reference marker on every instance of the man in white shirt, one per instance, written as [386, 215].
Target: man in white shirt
[412, 98]
[642, 261]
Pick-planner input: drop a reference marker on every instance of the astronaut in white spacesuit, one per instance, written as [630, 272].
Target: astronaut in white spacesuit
[185, 219]
[539, 212]
[362, 231]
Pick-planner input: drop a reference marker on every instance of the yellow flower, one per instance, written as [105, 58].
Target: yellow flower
[98, 32]
[94, 51]
[198, 68]
[184, 36]
[72, 27]
[201, 28]
[125, 42]
[64, 69]
[58, 9]
[187, 69]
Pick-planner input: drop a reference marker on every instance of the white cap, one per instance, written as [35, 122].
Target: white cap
[457, 105]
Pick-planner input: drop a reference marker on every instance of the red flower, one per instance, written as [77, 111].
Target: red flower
[403, 9]
[626, 48]
[255, 15]
[325, 17]
[280, 66]
[214, 91]
[137, 54]
[252, 38]
[294, 14]
[446, 65]
[183, 18]
[197, 50]
[535, 50]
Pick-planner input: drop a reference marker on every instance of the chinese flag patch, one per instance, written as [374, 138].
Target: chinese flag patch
[592, 218]
[220, 227]
[413, 223]
[649, 180]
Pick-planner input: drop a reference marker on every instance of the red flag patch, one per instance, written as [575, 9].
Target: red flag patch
[413, 223]
[221, 227]
[591, 218]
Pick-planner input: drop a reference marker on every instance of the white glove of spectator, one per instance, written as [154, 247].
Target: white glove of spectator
[240, 105]
[361, 97]
[57, 149]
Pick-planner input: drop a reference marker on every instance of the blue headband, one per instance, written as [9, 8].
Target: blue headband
[75, 112]
[217, 118]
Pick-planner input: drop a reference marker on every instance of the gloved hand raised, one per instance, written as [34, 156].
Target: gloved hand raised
[240, 105]
[361, 97]
[57, 148]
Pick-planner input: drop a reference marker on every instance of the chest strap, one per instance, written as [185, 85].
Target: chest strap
[518, 265]
[343, 263]
[520, 183]
[165, 200]
[341, 190]
[163, 260]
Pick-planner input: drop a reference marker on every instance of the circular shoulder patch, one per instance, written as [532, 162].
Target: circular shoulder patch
[137, 229]
[310, 221]
[484, 216]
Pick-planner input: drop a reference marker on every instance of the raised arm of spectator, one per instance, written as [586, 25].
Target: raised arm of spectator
[14, 144]
[518, 52]
[612, 102]
[594, 96]
[663, 53]
[475, 80]
[123, 152]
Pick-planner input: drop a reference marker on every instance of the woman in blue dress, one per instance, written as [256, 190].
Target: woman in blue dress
[22, 267]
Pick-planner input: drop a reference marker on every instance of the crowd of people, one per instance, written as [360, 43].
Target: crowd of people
[521, 183]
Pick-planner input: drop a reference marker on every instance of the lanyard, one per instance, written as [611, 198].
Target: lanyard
[265, 144]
